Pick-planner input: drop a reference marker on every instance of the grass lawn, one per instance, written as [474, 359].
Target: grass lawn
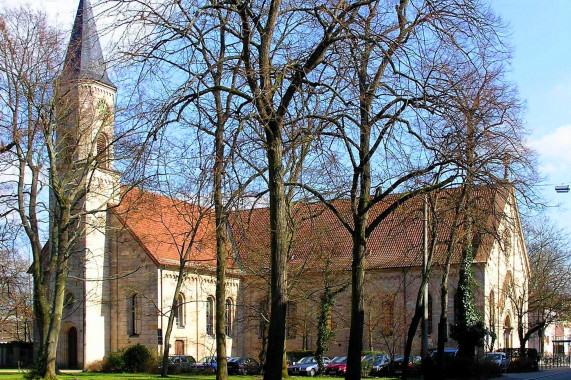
[111, 376]
[130, 376]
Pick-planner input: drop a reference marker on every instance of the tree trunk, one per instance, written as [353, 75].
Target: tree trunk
[170, 322]
[278, 224]
[357, 309]
[222, 369]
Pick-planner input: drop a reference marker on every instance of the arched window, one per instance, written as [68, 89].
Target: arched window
[387, 316]
[69, 300]
[179, 311]
[228, 317]
[101, 153]
[492, 308]
[134, 315]
[210, 316]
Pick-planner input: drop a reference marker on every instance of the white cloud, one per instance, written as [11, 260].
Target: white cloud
[60, 12]
[555, 145]
[554, 151]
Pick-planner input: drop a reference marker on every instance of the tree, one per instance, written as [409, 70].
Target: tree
[545, 298]
[16, 314]
[390, 128]
[31, 54]
[326, 304]
[62, 145]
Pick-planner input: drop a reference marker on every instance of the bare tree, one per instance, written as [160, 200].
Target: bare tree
[545, 298]
[62, 147]
[16, 314]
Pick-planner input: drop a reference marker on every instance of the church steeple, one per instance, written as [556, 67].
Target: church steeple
[84, 57]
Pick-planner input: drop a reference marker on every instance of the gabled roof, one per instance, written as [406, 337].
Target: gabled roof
[168, 228]
[84, 57]
[396, 243]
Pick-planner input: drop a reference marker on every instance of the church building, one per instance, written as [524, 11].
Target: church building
[121, 284]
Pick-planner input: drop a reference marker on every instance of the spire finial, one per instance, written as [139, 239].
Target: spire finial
[84, 57]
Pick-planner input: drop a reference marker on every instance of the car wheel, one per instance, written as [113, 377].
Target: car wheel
[311, 373]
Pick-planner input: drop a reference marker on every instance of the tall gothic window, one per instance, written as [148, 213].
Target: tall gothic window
[228, 317]
[134, 315]
[210, 316]
[387, 316]
[102, 151]
[179, 311]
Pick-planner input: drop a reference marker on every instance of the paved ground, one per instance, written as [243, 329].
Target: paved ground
[560, 373]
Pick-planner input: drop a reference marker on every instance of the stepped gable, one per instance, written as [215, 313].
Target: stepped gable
[164, 227]
[397, 242]
[84, 56]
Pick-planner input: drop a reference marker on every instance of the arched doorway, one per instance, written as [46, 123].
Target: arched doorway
[72, 348]
[508, 332]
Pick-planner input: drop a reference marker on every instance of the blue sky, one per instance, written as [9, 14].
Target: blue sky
[541, 67]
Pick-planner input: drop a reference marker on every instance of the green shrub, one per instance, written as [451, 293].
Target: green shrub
[139, 358]
[298, 354]
[364, 353]
[113, 363]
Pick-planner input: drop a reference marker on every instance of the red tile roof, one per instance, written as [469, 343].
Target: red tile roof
[166, 228]
[396, 242]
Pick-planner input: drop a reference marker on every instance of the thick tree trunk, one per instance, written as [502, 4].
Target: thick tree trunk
[278, 225]
[357, 309]
[222, 369]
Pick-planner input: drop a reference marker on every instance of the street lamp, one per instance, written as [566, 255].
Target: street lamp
[562, 188]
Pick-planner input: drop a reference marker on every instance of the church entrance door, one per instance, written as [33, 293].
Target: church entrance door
[179, 347]
[72, 348]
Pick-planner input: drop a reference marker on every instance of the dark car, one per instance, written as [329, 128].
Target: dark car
[243, 366]
[337, 366]
[182, 361]
[380, 365]
[206, 365]
[397, 364]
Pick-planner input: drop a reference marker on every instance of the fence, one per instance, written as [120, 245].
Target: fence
[555, 361]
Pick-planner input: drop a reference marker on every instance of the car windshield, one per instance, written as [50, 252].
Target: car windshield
[494, 356]
[399, 358]
[379, 359]
[339, 360]
[307, 360]
[208, 359]
[234, 360]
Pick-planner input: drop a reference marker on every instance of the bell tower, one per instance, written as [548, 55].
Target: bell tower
[86, 136]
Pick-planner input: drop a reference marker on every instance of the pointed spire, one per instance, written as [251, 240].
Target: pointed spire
[84, 57]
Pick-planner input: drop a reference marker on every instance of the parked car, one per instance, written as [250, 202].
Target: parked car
[449, 353]
[499, 358]
[207, 364]
[243, 366]
[182, 361]
[337, 366]
[307, 366]
[380, 365]
[397, 364]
